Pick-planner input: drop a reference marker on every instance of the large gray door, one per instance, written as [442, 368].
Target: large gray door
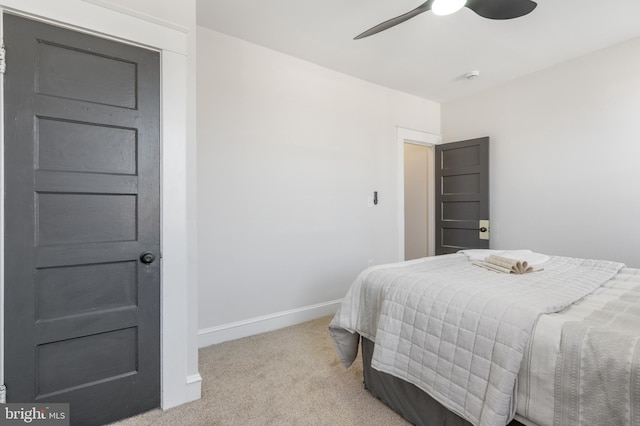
[462, 195]
[82, 205]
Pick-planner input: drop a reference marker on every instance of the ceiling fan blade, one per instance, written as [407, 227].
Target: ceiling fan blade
[501, 9]
[397, 20]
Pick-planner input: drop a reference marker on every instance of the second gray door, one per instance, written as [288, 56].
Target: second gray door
[462, 195]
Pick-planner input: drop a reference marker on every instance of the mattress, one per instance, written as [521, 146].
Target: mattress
[547, 379]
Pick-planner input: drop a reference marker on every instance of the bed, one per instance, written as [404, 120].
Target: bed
[445, 342]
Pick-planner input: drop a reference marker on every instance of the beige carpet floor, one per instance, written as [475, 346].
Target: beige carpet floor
[286, 377]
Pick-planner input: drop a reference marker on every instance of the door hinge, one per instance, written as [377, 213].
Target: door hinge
[3, 394]
[3, 59]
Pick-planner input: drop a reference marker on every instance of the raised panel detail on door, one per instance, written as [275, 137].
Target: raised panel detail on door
[463, 156]
[79, 218]
[82, 197]
[459, 238]
[84, 75]
[73, 290]
[461, 210]
[461, 184]
[84, 147]
[84, 361]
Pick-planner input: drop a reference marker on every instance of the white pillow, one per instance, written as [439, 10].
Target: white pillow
[528, 256]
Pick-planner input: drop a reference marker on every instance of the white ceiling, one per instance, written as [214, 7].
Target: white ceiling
[428, 55]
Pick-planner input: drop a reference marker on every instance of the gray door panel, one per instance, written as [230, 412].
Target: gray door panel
[82, 203]
[462, 194]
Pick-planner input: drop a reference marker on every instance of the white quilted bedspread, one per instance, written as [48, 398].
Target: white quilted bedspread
[457, 331]
[582, 366]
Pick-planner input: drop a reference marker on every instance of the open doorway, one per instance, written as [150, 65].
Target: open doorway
[417, 179]
[416, 193]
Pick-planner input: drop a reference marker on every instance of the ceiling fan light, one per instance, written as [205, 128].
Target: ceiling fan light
[447, 7]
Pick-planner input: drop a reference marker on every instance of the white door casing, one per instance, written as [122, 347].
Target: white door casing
[417, 137]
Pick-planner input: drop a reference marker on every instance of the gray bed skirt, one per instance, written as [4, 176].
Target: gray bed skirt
[405, 398]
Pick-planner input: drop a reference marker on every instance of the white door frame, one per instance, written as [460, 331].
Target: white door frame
[180, 379]
[416, 137]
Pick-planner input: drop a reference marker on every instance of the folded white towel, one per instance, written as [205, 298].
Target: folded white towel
[506, 265]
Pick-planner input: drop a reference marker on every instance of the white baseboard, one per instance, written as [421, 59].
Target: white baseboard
[194, 387]
[192, 392]
[236, 330]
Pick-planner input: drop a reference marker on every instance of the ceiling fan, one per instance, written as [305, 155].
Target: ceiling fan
[491, 9]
